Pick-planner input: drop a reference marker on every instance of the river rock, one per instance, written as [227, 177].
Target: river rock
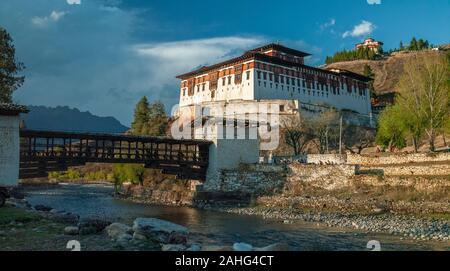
[42, 208]
[242, 247]
[93, 225]
[194, 247]
[273, 247]
[65, 218]
[116, 229]
[173, 247]
[161, 231]
[139, 237]
[216, 248]
[71, 230]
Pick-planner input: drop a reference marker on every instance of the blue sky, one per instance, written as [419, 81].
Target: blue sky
[103, 55]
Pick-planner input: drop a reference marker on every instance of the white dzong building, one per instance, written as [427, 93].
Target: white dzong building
[276, 73]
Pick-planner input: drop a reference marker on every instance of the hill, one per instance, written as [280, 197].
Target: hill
[387, 70]
[63, 118]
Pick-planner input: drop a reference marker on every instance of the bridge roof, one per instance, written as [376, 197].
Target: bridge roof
[112, 137]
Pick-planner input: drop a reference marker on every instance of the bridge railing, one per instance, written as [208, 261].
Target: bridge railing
[181, 157]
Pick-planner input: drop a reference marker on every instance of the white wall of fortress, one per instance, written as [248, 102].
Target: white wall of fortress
[253, 88]
[9, 150]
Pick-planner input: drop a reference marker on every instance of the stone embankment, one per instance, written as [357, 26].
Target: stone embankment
[149, 234]
[401, 225]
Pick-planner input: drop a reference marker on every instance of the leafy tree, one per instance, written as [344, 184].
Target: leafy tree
[413, 44]
[141, 116]
[9, 68]
[149, 119]
[402, 47]
[391, 131]
[158, 120]
[425, 95]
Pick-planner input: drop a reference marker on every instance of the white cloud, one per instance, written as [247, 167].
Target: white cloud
[74, 2]
[43, 21]
[161, 62]
[328, 24]
[374, 2]
[364, 28]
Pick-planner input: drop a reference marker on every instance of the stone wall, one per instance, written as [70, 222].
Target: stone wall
[327, 177]
[400, 158]
[178, 194]
[412, 169]
[251, 178]
[329, 159]
[9, 150]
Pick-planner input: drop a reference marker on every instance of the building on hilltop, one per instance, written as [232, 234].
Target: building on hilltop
[274, 73]
[371, 44]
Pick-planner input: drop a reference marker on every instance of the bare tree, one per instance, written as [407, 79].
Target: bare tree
[296, 131]
[356, 138]
[326, 130]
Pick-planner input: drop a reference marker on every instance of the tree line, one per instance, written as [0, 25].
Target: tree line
[350, 55]
[422, 104]
[323, 132]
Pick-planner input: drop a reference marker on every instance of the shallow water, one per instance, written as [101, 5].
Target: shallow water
[214, 227]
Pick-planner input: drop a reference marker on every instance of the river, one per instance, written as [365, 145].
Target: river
[209, 227]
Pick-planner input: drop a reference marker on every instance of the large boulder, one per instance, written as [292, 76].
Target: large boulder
[242, 247]
[274, 247]
[92, 225]
[117, 229]
[62, 217]
[71, 230]
[42, 208]
[161, 231]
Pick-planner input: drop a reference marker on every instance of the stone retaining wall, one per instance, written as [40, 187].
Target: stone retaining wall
[401, 158]
[328, 159]
[438, 169]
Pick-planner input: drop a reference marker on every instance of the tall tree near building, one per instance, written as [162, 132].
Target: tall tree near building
[158, 120]
[141, 116]
[391, 131]
[424, 95]
[9, 68]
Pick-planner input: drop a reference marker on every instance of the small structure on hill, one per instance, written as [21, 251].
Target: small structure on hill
[371, 44]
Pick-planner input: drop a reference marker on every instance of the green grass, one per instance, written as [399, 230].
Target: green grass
[9, 214]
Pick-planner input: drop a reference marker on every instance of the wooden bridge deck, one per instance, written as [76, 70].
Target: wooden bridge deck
[45, 151]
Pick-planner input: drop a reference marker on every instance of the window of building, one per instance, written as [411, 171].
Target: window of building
[203, 86]
[304, 83]
[248, 75]
[259, 74]
[281, 107]
[223, 81]
[281, 79]
[293, 81]
[270, 76]
[287, 80]
[298, 82]
[229, 80]
[265, 75]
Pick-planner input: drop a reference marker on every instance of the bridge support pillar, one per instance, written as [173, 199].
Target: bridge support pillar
[10, 143]
[229, 154]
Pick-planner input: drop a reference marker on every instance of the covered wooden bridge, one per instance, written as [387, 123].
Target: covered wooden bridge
[42, 152]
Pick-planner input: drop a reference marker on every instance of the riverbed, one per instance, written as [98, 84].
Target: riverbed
[211, 227]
